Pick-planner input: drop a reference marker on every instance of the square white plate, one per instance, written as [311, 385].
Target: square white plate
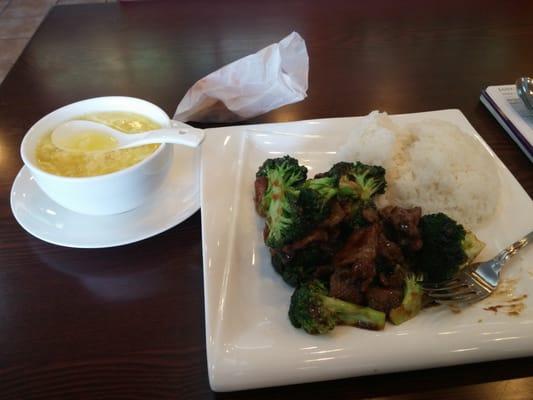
[250, 341]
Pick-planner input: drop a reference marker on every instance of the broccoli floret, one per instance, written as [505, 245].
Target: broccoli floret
[284, 219]
[315, 198]
[359, 181]
[472, 246]
[357, 185]
[411, 303]
[282, 173]
[447, 247]
[301, 266]
[314, 311]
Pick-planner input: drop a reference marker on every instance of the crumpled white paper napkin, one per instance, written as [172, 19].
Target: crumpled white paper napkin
[253, 85]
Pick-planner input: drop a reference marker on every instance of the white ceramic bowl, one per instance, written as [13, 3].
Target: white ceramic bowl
[107, 194]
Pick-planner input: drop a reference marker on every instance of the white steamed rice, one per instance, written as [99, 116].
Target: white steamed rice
[431, 164]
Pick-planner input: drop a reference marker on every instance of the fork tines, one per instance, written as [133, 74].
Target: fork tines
[456, 291]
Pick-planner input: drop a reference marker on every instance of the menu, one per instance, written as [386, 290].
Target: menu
[512, 114]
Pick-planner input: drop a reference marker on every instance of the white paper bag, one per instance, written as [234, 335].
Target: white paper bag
[253, 85]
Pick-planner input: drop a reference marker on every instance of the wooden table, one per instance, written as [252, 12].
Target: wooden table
[128, 322]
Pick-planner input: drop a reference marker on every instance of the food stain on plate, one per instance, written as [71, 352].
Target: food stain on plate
[454, 308]
[504, 299]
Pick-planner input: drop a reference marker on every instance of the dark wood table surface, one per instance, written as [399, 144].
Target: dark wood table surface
[128, 322]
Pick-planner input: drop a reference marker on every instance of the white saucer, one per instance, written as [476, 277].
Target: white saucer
[176, 200]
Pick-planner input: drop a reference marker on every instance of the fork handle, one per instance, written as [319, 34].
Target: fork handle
[504, 255]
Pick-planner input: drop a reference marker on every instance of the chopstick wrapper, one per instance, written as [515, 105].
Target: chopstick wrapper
[253, 85]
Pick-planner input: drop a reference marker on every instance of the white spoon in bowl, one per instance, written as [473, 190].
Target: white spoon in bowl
[88, 136]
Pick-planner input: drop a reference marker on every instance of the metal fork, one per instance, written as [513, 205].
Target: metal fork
[476, 281]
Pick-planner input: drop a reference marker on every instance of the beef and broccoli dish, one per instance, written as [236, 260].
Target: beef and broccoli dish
[350, 262]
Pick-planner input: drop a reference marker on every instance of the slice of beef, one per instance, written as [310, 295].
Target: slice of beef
[343, 285]
[383, 299]
[394, 279]
[389, 250]
[364, 273]
[404, 224]
[335, 217]
[323, 272]
[346, 207]
[355, 265]
[266, 232]
[317, 235]
[260, 185]
[360, 248]
[370, 214]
